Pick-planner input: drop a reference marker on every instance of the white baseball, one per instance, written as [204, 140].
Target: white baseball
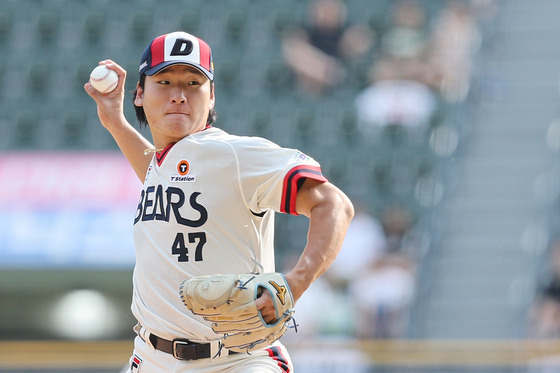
[103, 79]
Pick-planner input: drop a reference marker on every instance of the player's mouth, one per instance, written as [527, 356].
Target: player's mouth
[177, 113]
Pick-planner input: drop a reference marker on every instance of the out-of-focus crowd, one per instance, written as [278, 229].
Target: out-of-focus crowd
[420, 61]
[415, 60]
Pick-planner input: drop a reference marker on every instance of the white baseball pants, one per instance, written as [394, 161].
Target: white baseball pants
[146, 359]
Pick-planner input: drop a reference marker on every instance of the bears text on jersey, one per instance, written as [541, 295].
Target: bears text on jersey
[155, 204]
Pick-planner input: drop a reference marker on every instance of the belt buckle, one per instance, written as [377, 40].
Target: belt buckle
[190, 355]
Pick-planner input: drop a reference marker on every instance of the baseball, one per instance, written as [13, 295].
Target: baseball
[103, 79]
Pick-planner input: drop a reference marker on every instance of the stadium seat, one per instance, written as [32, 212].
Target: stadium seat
[38, 78]
[94, 28]
[47, 28]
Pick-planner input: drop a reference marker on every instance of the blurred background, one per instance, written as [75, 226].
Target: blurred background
[439, 118]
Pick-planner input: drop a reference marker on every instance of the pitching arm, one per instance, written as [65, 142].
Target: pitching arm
[110, 109]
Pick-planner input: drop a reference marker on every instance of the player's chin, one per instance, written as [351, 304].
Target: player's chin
[180, 126]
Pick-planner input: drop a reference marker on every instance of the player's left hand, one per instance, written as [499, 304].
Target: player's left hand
[250, 310]
[265, 305]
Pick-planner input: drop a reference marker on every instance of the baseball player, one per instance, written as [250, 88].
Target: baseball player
[207, 207]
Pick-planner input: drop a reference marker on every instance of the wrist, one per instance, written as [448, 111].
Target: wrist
[115, 124]
[298, 283]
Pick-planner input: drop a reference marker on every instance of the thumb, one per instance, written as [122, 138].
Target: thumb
[90, 90]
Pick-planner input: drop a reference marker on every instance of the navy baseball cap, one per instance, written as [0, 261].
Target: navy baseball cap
[177, 48]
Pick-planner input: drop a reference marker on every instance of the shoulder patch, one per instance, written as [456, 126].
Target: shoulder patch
[301, 157]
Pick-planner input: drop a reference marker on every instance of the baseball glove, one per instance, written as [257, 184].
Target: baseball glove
[228, 302]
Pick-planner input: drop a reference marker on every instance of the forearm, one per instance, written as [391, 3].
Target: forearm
[328, 223]
[132, 144]
[111, 115]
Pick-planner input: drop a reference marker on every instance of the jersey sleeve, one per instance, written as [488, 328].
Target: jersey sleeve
[270, 176]
[293, 180]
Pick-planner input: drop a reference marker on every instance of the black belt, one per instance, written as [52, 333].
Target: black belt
[182, 349]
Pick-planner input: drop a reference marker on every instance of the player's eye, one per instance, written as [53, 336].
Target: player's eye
[164, 82]
[194, 82]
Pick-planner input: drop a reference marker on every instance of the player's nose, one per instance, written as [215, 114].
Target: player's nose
[178, 97]
[179, 100]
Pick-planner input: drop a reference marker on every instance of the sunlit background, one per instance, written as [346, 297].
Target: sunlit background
[439, 118]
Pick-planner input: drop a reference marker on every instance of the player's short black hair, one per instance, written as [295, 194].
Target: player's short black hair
[141, 116]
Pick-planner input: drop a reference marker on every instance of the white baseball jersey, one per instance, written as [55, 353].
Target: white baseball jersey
[207, 207]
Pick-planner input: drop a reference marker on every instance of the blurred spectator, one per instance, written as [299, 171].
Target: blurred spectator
[363, 245]
[396, 222]
[544, 317]
[405, 46]
[362, 262]
[439, 56]
[406, 103]
[373, 279]
[382, 297]
[406, 36]
[401, 83]
[454, 38]
[317, 52]
[417, 68]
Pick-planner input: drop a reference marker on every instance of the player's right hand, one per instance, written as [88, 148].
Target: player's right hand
[110, 106]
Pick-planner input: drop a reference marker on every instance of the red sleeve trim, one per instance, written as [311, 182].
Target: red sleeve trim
[290, 188]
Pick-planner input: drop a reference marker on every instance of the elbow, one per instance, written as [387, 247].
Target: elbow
[325, 198]
[343, 205]
[347, 207]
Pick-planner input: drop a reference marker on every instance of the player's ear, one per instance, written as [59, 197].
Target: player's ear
[139, 95]
[212, 96]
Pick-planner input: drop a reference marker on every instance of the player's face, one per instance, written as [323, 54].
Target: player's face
[176, 102]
